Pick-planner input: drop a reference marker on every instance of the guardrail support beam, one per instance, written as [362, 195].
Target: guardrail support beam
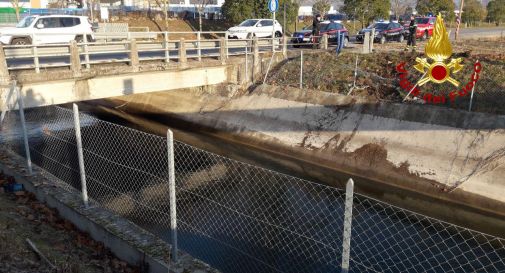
[285, 41]
[183, 59]
[222, 50]
[75, 59]
[324, 44]
[4, 71]
[134, 55]
[256, 58]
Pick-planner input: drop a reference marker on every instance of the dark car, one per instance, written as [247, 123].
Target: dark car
[326, 27]
[384, 31]
[302, 36]
[331, 29]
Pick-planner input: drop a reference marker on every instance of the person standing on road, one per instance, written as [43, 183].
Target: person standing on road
[411, 41]
[315, 29]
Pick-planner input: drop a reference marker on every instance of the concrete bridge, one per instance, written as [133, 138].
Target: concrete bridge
[133, 75]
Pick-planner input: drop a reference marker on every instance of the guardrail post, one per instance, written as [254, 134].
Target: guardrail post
[86, 51]
[80, 155]
[256, 58]
[346, 241]
[36, 59]
[372, 38]
[165, 47]
[324, 44]
[199, 41]
[366, 43]
[285, 41]
[21, 106]
[227, 40]
[171, 193]
[134, 55]
[222, 50]
[75, 59]
[183, 60]
[4, 70]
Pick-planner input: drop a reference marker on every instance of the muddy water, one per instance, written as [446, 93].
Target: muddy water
[214, 227]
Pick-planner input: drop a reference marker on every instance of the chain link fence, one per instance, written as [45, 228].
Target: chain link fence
[238, 217]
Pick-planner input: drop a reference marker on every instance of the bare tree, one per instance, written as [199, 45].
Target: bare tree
[164, 5]
[17, 5]
[399, 7]
[200, 7]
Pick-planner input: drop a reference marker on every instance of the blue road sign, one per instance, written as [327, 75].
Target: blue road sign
[273, 5]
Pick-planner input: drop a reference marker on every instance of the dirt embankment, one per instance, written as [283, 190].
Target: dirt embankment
[377, 78]
[69, 250]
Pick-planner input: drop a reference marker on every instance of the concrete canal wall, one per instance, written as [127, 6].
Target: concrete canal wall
[452, 156]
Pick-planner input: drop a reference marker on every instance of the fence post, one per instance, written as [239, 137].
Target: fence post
[222, 50]
[21, 106]
[473, 90]
[182, 53]
[346, 241]
[134, 55]
[199, 40]
[285, 41]
[324, 44]
[80, 155]
[167, 53]
[4, 70]
[36, 59]
[86, 51]
[75, 59]
[256, 58]
[171, 193]
[301, 69]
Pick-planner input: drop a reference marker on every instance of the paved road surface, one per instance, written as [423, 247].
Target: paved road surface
[476, 33]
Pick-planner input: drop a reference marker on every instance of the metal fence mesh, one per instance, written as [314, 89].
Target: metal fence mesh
[242, 218]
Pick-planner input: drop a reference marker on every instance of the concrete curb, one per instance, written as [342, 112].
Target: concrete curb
[126, 240]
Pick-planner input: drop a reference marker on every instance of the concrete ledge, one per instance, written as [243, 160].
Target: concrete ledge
[126, 240]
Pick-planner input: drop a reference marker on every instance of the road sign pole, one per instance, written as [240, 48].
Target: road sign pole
[273, 32]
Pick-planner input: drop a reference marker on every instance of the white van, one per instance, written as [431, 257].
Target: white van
[48, 29]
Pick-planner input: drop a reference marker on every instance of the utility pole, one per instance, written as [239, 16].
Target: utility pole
[456, 34]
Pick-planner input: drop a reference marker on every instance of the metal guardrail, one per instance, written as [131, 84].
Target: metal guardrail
[113, 47]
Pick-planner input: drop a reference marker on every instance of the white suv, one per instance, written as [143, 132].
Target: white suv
[250, 28]
[48, 29]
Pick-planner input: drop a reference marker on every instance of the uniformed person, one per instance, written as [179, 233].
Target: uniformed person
[411, 41]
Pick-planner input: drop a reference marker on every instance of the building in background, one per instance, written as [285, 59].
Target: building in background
[306, 7]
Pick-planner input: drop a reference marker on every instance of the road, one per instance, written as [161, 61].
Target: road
[476, 33]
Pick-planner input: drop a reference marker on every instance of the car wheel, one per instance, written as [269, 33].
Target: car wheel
[278, 34]
[425, 35]
[20, 41]
[382, 40]
[79, 39]
[401, 38]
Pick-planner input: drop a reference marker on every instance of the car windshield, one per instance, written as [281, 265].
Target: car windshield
[324, 27]
[248, 23]
[26, 22]
[422, 20]
[379, 26]
[307, 28]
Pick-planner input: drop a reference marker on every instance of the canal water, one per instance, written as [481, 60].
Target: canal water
[242, 218]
